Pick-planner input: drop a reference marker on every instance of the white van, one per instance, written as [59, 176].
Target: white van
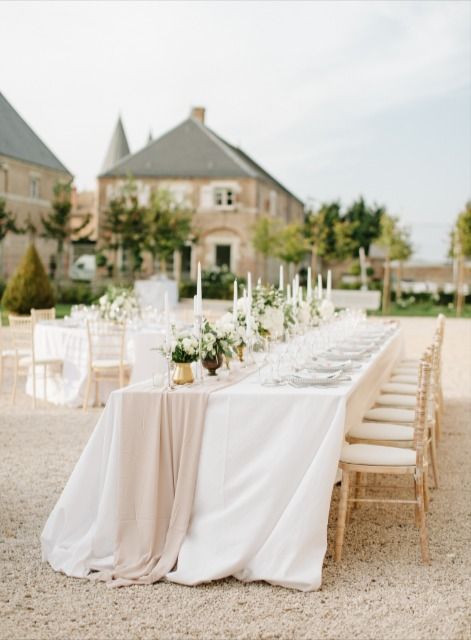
[84, 268]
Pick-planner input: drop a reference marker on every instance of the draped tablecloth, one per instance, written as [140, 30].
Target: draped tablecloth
[266, 469]
[56, 339]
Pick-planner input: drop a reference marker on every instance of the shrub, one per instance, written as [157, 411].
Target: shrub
[29, 287]
[78, 293]
[217, 283]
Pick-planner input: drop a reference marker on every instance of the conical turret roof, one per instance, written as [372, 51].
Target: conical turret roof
[117, 149]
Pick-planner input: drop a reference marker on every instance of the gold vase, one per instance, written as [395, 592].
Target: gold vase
[183, 373]
[240, 353]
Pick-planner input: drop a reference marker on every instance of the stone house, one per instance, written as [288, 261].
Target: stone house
[28, 172]
[226, 190]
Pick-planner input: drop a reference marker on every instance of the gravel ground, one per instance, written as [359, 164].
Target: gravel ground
[380, 590]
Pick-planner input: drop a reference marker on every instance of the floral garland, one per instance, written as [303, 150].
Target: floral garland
[267, 310]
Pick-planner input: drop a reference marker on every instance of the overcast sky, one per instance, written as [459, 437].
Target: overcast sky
[335, 99]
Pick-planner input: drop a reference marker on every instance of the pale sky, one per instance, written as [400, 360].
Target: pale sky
[335, 99]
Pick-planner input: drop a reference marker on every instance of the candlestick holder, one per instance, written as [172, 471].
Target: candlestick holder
[199, 333]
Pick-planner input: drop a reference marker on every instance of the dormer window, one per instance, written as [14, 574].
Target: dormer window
[223, 197]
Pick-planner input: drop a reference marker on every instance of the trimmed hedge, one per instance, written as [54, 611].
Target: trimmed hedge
[29, 287]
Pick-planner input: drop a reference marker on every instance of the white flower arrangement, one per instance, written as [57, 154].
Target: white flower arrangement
[185, 347]
[267, 310]
[217, 339]
[118, 304]
[326, 309]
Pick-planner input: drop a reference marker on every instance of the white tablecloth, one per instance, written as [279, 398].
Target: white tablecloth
[267, 467]
[58, 340]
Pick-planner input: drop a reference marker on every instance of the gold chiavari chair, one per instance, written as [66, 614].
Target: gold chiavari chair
[368, 459]
[395, 434]
[40, 315]
[22, 331]
[6, 351]
[106, 358]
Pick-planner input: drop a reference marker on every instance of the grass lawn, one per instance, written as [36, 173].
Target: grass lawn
[424, 309]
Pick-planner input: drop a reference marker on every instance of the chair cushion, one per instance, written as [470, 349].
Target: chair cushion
[108, 364]
[28, 361]
[397, 387]
[373, 454]
[408, 371]
[396, 400]
[389, 414]
[381, 431]
[404, 379]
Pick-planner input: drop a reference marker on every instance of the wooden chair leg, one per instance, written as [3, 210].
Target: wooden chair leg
[434, 459]
[15, 383]
[45, 382]
[34, 386]
[426, 489]
[357, 480]
[342, 515]
[87, 391]
[424, 548]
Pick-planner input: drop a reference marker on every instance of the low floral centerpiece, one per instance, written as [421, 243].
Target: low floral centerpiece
[217, 340]
[118, 304]
[267, 311]
[185, 350]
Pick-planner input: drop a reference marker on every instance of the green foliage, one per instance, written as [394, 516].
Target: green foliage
[293, 244]
[29, 287]
[7, 221]
[320, 229]
[168, 226]
[462, 232]
[394, 238]
[57, 223]
[365, 221]
[334, 235]
[266, 236]
[78, 293]
[217, 284]
[3, 285]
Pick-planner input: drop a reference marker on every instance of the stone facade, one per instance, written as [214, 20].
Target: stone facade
[224, 211]
[28, 191]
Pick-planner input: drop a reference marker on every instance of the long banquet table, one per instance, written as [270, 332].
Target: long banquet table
[267, 466]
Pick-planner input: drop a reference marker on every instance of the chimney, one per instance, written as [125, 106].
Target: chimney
[198, 114]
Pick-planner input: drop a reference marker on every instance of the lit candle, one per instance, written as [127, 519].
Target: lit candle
[329, 284]
[199, 294]
[234, 305]
[295, 293]
[259, 283]
[249, 286]
[288, 293]
[282, 283]
[319, 287]
[300, 293]
[195, 305]
[309, 284]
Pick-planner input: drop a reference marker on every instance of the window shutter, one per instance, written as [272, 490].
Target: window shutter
[206, 197]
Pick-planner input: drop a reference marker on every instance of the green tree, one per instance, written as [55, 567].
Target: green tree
[293, 244]
[461, 248]
[29, 287]
[365, 223]
[320, 230]
[395, 240]
[7, 225]
[112, 229]
[57, 224]
[266, 240]
[168, 227]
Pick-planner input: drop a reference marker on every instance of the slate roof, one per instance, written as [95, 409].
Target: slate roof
[191, 150]
[18, 140]
[117, 149]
